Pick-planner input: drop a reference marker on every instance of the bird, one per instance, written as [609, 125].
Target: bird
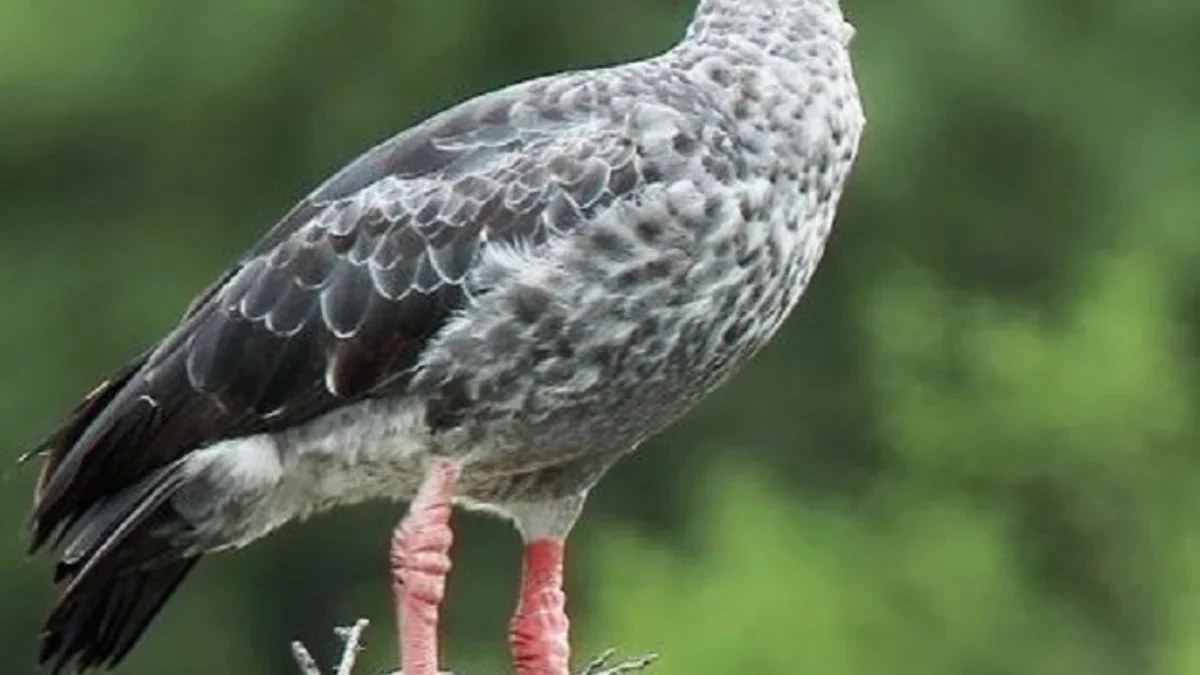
[484, 311]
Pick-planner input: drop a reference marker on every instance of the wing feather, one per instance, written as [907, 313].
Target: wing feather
[336, 302]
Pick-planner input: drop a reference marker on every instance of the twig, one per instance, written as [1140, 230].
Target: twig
[601, 665]
[303, 659]
[351, 637]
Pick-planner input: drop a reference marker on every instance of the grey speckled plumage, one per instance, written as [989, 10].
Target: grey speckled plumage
[533, 281]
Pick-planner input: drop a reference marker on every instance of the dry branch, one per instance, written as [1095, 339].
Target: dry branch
[351, 637]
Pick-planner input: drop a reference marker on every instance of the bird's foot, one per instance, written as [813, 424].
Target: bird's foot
[420, 560]
[538, 633]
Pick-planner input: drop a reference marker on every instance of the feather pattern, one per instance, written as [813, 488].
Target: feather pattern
[337, 301]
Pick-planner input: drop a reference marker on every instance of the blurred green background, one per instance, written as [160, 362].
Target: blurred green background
[973, 450]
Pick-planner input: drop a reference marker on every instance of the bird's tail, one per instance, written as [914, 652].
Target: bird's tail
[117, 569]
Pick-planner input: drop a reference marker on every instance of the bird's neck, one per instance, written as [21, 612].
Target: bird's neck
[779, 27]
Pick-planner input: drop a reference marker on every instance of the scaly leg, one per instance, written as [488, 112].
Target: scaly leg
[420, 559]
[538, 633]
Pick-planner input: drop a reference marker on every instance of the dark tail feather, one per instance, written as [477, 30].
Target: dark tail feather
[51, 513]
[117, 571]
[101, 623]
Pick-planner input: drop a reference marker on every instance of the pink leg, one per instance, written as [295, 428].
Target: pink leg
[420, 559]
[538, 633]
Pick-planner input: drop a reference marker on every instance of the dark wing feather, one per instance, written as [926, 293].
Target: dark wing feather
[337, 301]
[333, 305]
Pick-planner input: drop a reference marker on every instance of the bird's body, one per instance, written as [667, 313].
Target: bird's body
[525, 286]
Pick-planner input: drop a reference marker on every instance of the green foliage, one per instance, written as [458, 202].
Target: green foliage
[776, 587]
[921, 581]
[973, 451]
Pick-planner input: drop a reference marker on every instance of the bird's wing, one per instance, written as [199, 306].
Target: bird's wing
[336, 302]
